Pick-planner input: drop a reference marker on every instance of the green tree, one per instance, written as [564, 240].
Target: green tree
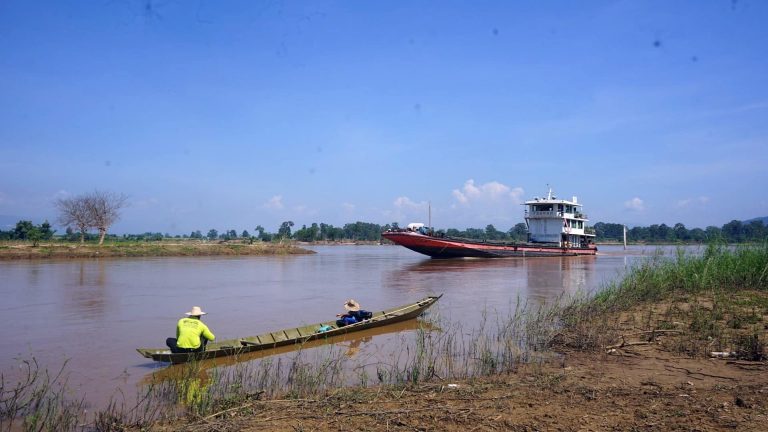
[314, 232]
[491, 233]
[698, 235]
[734, 231]
[263, 235]
[519, 232]
[609, 231]
[754, 231]
[638, 234]
[46, 231]
[362, 231]
[213, 234]
[34, 234]
[713, 233]
[681, 232]
[285, 230]
[22, 230]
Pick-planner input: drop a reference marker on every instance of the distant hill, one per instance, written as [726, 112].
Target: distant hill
[763, 219]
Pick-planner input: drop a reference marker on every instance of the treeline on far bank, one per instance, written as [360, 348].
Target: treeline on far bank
[732, 232]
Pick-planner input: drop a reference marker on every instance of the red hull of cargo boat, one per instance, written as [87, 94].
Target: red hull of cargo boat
[447, 247]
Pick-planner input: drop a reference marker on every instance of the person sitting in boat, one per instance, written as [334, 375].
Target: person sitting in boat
[354, 314]
[191, 333]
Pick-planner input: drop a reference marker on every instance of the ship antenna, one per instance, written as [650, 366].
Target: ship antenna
[549, 194]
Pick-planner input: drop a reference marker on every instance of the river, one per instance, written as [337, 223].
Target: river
[93, 314]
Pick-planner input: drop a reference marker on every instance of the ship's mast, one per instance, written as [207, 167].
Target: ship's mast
[429, 220]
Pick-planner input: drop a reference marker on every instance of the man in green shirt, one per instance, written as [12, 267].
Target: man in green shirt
[191, 333]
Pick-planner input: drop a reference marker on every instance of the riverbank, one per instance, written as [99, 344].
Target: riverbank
[14, 251]
[649, 390]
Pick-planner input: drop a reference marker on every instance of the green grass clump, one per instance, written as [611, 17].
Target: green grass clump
[719, 268]
[718, 298]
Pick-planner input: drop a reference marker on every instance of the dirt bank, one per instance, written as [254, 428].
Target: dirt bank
[646, 388]
[149, 249]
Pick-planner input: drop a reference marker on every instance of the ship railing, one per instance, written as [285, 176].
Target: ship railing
[554, 213]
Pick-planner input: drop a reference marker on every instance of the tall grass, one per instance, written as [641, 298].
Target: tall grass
[39, 401]
[719, 268]
[715, 294]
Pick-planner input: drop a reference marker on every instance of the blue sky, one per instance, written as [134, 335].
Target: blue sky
[229, 115]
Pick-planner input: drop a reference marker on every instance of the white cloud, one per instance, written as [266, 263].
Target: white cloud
[348, 207]
[635, 204]
[692, 201]
[275, 203]
[406, 210]
[406, 203]
[488, 192]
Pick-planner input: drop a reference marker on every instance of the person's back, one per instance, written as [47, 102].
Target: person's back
[188, 333]
[191, 333]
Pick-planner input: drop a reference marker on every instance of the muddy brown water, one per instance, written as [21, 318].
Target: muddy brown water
[93, 314]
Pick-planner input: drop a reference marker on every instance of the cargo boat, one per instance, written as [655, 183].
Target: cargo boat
[556, 227]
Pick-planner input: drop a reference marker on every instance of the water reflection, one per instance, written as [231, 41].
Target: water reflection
[551, 278]
[495, 280]
[87, 295]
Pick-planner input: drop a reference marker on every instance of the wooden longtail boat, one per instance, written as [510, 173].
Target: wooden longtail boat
[290, 336]
[349, 343]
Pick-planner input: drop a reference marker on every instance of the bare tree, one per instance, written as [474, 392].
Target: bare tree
[104, 210]
[74, 212]
[95, 210]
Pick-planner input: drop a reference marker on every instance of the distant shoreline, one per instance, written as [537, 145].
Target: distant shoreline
[21, 251]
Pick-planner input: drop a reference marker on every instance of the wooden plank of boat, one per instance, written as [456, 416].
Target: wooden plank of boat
[290, 336]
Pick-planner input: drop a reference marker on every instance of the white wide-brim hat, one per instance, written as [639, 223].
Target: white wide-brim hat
[352, 305]
[196, 311]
